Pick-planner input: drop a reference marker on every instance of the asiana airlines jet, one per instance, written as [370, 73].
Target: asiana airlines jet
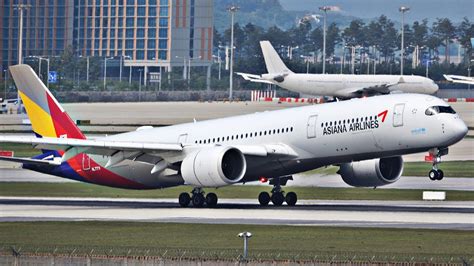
[365, 137]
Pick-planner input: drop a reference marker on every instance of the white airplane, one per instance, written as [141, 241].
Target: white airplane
[366, 137]
[459, 79]
[336, 85]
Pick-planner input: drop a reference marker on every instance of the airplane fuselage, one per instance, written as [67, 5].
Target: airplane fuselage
[312, 136]
[340, 85]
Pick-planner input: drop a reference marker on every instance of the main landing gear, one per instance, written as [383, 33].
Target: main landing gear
[436, 173]
[198, 199]
[278, 195]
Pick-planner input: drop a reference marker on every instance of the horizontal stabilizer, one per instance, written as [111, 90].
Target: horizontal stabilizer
[253, 78]
[54, 162]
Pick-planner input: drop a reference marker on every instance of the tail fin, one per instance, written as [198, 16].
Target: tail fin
[273, 61]
[47, 117]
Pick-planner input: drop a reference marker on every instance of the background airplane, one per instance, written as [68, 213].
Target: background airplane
[459, 79]
[336, 85]
[366, 137]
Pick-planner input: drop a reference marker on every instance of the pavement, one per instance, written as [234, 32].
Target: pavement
[385, 214]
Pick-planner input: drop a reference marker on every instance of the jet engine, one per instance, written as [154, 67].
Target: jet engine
[214, 167]
[372, 173]
[278, 77]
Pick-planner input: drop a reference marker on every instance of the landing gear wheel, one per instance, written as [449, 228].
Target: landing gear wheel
[433, 175]
[198, 200]
[440, 174]
[211, 200]
[264, 198]
[278, 198]
[291, 198]
[184, 199]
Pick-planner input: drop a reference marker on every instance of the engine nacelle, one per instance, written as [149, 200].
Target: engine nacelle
[214, 167]
[372, 173]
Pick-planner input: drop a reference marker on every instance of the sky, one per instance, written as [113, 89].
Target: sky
[367, 9]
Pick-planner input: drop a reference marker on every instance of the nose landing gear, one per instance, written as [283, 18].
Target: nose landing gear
[198, 199]
[436, 173]
[278, 195]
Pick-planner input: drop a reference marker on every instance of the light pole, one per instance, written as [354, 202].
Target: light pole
[105, 71]
[402, 9]
[140, 85]
[129, 69]
[427, 67]
[87, 70]
[325, 9]
[245, 236]
[40, 58]
[185, 69]
[189, 69]
[5, 73]
[219, 60]
[232, 9]
[20, 8]
[121, 63]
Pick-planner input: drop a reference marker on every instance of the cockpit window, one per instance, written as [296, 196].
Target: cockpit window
[433, 110]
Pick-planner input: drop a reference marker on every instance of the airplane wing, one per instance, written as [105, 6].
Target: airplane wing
[253, 78]
[384, 88]
[459, 79]
[146, 152]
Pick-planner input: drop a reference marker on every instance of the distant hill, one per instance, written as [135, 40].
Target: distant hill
[264, 13]
[455, 10]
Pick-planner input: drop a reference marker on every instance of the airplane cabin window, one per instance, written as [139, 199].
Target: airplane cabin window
[431, 111]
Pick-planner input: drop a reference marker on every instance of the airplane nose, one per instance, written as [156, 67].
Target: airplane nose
[459, 130]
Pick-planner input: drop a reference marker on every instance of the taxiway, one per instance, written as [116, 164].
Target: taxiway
[415, 214]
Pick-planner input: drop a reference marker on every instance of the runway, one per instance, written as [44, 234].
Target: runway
[385, 214]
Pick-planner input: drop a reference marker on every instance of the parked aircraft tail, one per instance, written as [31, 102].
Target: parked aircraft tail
[272, 60]
[48, 118]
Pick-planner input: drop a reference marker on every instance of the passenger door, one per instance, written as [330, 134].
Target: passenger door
[311, 126]
[86, 162]
[398, 114]
[182, 138]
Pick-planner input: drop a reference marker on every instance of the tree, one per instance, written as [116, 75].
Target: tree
[388, 40]
[332, 38]
[466, 32]
[239, 37]
[444, 29]
[420, 32]
[354, 34]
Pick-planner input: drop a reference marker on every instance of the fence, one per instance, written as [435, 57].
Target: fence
[87, 255]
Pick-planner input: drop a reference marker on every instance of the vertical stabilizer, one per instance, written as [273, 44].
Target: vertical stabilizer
[47, 117]
[272, 60]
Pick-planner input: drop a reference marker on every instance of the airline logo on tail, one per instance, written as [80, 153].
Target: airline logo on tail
[48, 118]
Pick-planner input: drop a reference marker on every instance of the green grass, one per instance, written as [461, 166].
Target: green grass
[21, 150]
[115, 238]
[21, 189]
[451, 169]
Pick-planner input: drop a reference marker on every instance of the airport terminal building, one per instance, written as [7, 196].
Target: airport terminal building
[143, 33]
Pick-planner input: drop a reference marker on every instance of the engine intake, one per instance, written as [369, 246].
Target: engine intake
[372, 173]
[214, 167]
